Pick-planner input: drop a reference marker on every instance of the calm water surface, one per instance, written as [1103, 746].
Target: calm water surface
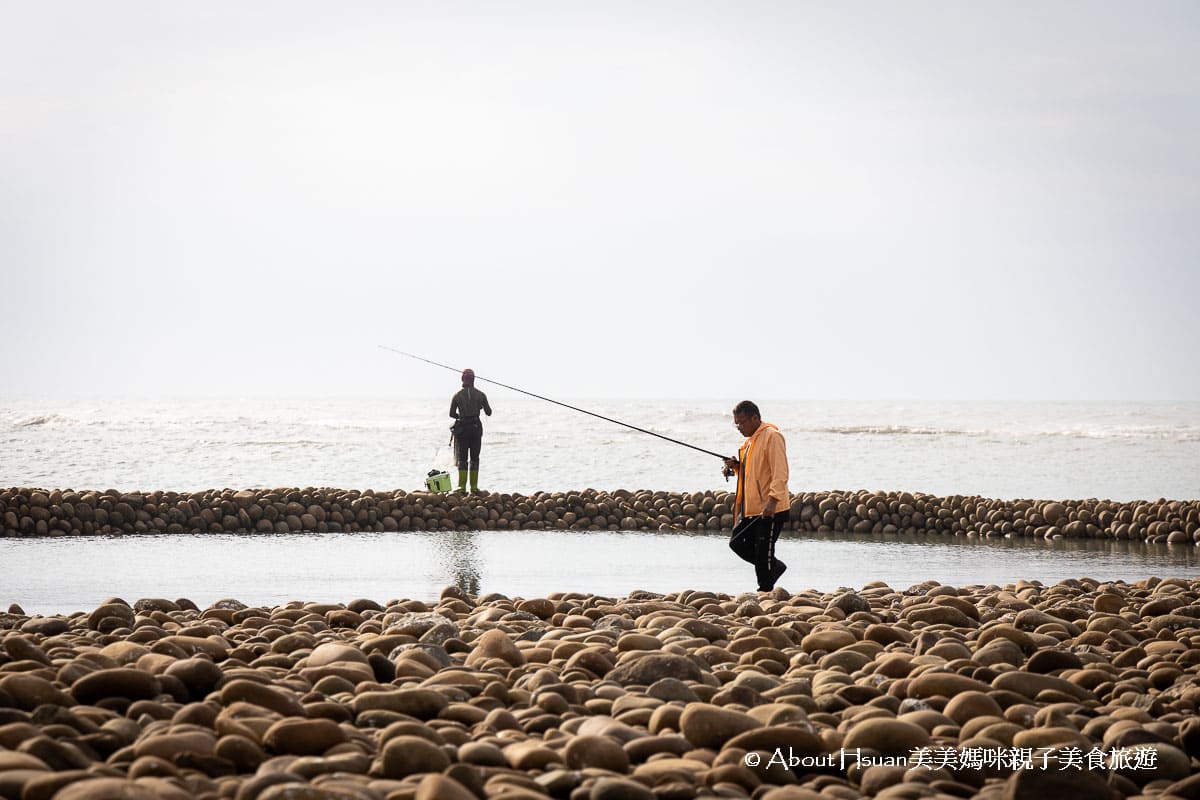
[62, 575]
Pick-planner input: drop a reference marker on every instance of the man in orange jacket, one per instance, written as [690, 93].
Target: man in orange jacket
[763, 504]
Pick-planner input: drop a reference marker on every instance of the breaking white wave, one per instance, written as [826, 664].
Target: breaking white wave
[1183, 433]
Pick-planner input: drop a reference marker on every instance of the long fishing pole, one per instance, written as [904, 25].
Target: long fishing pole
[556, 402]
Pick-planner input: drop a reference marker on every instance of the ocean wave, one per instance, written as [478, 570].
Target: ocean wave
[890, 430]
[1181, 434]
[18, 420]
[1137, 433]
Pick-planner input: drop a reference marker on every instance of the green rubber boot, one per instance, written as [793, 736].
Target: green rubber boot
[462, 481]
[474, 481]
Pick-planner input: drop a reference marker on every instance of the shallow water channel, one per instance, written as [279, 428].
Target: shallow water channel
[62, 575]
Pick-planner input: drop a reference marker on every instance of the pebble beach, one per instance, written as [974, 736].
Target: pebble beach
[1078, 689]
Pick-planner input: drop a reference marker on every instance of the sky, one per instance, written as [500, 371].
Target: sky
[810, 200]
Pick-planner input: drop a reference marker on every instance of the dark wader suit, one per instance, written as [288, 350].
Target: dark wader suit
[468, 433]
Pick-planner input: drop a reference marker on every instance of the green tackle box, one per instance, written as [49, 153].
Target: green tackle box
[438, 482]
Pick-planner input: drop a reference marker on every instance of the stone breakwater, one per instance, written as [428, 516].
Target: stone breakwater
[772, 696]
[39, 512]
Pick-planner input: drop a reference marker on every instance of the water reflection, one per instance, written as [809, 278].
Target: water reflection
[66, 574]
[457, 553]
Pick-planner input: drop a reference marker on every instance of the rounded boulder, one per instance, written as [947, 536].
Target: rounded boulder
[706, 725]
[127, 682]
[891, 737]
[303, 737]
[596, 751]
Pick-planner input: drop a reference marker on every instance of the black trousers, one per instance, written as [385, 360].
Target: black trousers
[468, 439]
[753, 539]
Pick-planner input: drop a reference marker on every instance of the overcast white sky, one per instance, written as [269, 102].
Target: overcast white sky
[863, 200]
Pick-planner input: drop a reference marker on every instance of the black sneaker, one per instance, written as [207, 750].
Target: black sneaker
[776, 572]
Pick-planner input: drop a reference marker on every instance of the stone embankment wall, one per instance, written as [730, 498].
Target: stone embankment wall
[39, 512]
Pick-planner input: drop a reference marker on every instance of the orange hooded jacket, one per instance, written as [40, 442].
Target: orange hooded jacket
[762, 472]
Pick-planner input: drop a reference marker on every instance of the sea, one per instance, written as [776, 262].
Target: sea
[1000, 450]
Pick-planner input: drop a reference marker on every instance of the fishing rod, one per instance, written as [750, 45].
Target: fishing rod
[556, 402]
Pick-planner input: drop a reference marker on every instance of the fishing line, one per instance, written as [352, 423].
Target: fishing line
[557, 403]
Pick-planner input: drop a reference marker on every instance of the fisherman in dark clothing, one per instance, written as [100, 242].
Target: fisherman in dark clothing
[468, 430]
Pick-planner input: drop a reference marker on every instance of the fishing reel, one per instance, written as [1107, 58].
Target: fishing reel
[727, 470]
